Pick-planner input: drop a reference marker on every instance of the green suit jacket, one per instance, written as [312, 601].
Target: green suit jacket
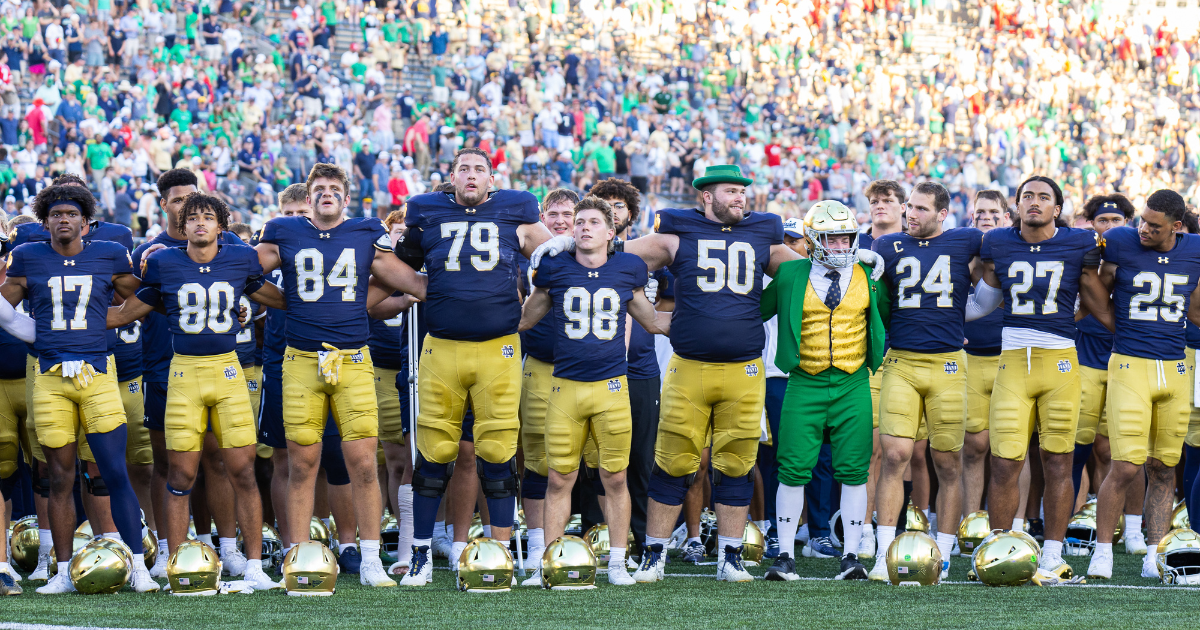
[785, 297]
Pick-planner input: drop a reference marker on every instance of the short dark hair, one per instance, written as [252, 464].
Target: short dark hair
[1191, 221]
[1058, 196]
[293, 193]
[994, 195]
[1104, 204]
[51, 195]
[560, 195]
[592, 202]
[328, 171]
[444, 187]
[471, 151]
[69, 179]
[243, 230]
[176, 177]
[613, 188]
[1167, 202]
[199, 202]
[941, 197]
[884, 187]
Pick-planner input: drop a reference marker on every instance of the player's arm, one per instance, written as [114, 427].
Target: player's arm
[268, 256]
[987, 295]
[13, 289]
[643, 311]
[391, 306]
[657, 250]
[1096, 297]
[125, 285]
[20, 326]
[780, 254]
[535, 308]
[268, 295]
[130, 310]
[530, 235]
[394, 275]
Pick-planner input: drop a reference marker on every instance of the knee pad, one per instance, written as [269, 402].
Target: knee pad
[8, 485]
[732, 491]
[497, 481]
[667, 489]
[429, 479]
[533, 486]
[95, 485]
[593, 477]
[41, 485]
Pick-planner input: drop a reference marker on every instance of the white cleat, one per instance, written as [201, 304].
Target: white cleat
[371, 573]
[233, 563]
[1101, 565]
[256, 577]
[945, 571]
[421, 571]
[442, 547]
[1150, 568]
[60, 583]
[1135, 543]
[534, 579]
[42, 572]
[141, 581]
[654, 564]
[678, 537]
[618, 575]
[879, 572]
[866, 547]
[730, 567]
[159, 570]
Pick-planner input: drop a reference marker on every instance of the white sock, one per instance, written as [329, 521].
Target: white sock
[868, 530]
[64, 568]
[162, 545]
[456, 550]
[139, 561]
[1104, 548]
[422, 542]
[369, 548]
[404, 501]
[4, 568]
[945, 544]
[487, 531]
[886, 534]
[112, 536]
[205, 538]
[616, 556]
[694, 539]
[1018, 525]
[45, 541]
[227, 544]
[1052, 548]
[1133, 523]
[763, 526]
[253, 564]
[344, 546]
[537, 545]
[1151, 554]
[728, 541]
[651, 540]
[926, 511]
[801, 533]
[854, 503]
[789, 508]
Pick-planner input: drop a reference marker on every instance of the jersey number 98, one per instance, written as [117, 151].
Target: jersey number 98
[737, 273]
[596, 313]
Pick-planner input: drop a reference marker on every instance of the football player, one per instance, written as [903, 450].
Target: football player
[174, 186]
[928, 272]
[1037, 270]
[982, 344]
[201, 287]
[76, 382]
[590, 294]
[468, 241]
[327, 364]
[558, 215]
[1153, 272]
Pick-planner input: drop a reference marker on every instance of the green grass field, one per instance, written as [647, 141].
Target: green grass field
[678, 602]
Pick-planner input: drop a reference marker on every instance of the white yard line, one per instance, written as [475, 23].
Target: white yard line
[39, 626]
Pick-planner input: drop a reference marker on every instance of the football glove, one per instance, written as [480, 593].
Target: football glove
[872, 260]
[651, 289]
[553, 247]
[330, 363]
[79, 371]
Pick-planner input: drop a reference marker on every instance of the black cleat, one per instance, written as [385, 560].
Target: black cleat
[783, 569]
[1037, 529]
[852, 569]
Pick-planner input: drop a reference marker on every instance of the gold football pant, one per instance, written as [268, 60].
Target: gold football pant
[578, 410]
[1149, 402]
[204, 388]
[64, 413]
[1092, 415]
[137, 437]
[307, 398]
[981, 378]
[1035, 388]
[12, 419]
[387, 397]
[535, 400]
[933, 383]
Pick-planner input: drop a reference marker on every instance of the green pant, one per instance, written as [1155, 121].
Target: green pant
[833, 407]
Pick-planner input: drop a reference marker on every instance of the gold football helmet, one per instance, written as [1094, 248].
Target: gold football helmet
[318, 531]
[569, 564]
[916, 521]
[194, 569]
[754, 544]
[1005, 560]
[86, 529]
[1179, 557]
[823, 220]
[272, 546]
[77, 543]
[913, 559]
[476, 530]
[597, 537]
[485, 566]
[24, 545]
[1081, 535]
[310, 569]
[1179, 517]
[574, 525]
[102, 566]
[972, 530]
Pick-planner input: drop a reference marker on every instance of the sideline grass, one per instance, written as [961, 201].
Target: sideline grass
[678, 602]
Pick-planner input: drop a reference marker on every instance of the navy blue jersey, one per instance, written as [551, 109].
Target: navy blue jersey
[156, 333]
[69, 298]
[389, 342]
[12, 356]
[1041, 280]
[1151, 293]
[865, 241]
[643, 359]
[929, 279]
[202, 299]
[982, 336]
[1193, 336]
[1093, 342]
[128, 353]
[537, 342]
[274, 332]
[589, 313]
[471, 256]
[247, 347]
[718, 272]
[325, 275]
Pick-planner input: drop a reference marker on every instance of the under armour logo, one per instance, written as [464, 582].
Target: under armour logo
[726, 229]
[922, 243]
[205, 269]
[68, 263]
[614, 385]
[529, 375]
[951, 367]
[177, 374]
[429, 351]
[751, 369]
[1035, 248]
[672, 370]
[1123, 366]
[324, 234]
[1064, 366]
[469, 211]
[230, 373]
[1162, 260]
[556, 388]
[507, 352]
[1181, 367]
[593, 274]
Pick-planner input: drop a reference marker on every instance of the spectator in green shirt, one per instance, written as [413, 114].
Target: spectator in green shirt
[99, 154]
[606, 161]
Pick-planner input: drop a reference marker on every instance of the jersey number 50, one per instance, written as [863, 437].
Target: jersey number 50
[1172, 309]
[737, 273]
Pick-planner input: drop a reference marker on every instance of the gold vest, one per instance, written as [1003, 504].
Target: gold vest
[838, 338]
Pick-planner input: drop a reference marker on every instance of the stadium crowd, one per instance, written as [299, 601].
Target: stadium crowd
[815, 99]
